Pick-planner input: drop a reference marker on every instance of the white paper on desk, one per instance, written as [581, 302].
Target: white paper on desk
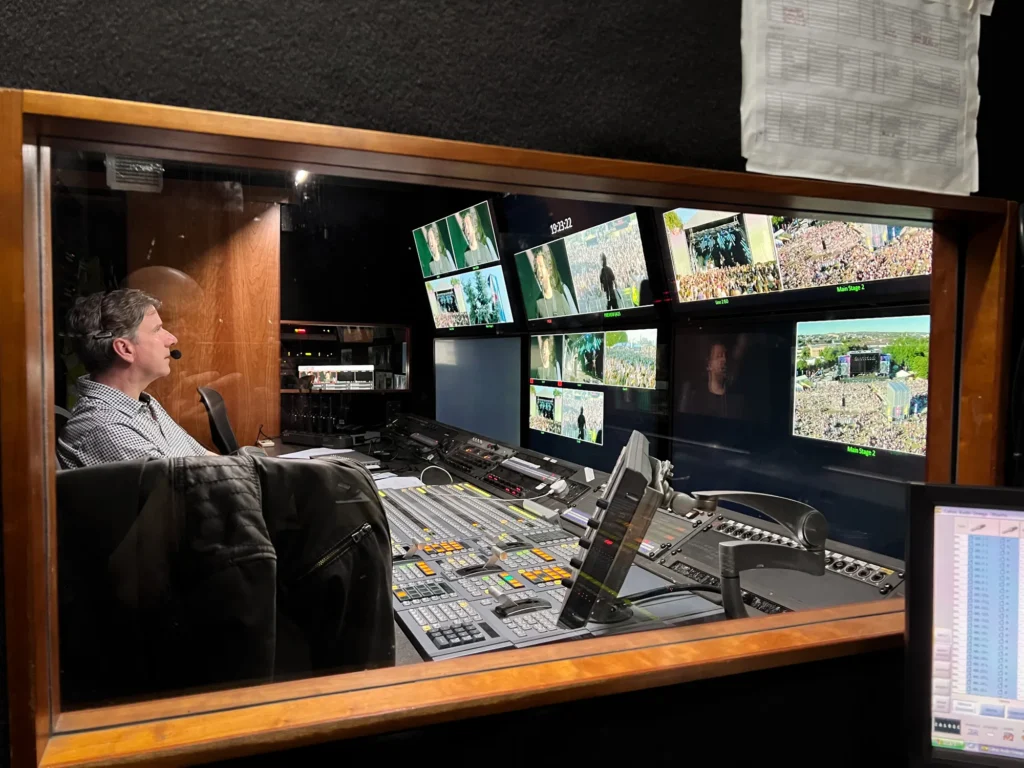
[312, 453]
[862, 91]
[394, 483]
[382, 475]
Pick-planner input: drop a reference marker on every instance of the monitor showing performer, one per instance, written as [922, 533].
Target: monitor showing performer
[546, 357]
[720, 255]
[863, 383]
[472, 235]
[434, 249]
[625, 359]
[470, 298]
[599, 269]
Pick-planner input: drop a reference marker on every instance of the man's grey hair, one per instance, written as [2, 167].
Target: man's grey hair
[95, 321]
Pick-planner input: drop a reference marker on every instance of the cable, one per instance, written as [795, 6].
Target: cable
[668, 590]
[439, 469]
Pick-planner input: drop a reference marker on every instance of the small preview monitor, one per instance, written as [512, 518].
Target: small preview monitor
[863, 383]
[546, 409]
[469, 298]
[577, 414]
[965, 625]
[600, 269]
[435, 251]
[472, 235]
[338, 377]
[721, 255]
[626, 359]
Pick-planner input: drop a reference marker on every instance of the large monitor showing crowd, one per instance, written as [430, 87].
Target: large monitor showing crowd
[599, 269]
[863, 383]
[613, 358]
[719, 255]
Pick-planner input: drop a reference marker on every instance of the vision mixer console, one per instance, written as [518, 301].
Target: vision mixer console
[688, 548]
[478, 563]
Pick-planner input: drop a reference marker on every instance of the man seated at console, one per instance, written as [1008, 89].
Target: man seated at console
[121, 340]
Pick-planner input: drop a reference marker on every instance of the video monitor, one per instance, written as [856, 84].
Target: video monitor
[631, 358]
[627, 359]
[337, 377]
[863, 383]
[965, 626]
[470, 298]
[472, 236]
[546, 409]
[583, 415]
[600, 269]
[546, 357]
[583, 358]
[721, 255]
[577, 414]
[434, 249]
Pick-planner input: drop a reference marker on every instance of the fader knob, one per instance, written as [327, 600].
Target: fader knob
[594, 523]
[601, 504]
[567, 583]
[576, 563]
[583, 543]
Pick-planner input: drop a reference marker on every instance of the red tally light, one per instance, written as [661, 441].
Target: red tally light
[608, 542]
[531, 381]
[300, 330]
[549, 321]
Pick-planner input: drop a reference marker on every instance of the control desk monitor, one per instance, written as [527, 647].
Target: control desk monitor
[612, 539]
[965, 625]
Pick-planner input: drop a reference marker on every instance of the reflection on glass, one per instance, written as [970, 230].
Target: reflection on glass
[366, 536]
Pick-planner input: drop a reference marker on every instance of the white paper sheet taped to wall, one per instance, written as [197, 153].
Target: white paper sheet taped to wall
[869, 91]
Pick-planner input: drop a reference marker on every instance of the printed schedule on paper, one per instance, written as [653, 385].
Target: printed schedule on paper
[871, 91]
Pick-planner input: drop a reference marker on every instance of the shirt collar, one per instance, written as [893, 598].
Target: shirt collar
[115, 398]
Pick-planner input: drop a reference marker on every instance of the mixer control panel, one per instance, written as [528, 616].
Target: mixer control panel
[478, 567]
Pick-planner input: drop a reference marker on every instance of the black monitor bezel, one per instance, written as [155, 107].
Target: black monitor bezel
[922, 498]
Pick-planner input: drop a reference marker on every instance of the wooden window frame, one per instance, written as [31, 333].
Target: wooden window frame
[972, 289]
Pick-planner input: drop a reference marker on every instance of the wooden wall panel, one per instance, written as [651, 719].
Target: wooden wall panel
[942, 391]
[27, 454]
[213, 258]
[985, 360]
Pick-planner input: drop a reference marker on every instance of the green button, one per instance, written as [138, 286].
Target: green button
[948, 743]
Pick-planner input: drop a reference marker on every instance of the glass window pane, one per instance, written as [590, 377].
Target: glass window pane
[252, 361]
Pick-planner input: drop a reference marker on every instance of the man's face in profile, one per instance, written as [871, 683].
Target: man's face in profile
[718, 360]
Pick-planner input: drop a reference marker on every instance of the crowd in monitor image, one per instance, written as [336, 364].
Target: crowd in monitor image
[865, 384]
[607, 265]
[721, 255]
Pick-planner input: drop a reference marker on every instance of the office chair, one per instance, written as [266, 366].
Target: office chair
[61, 416]
[220, 426]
